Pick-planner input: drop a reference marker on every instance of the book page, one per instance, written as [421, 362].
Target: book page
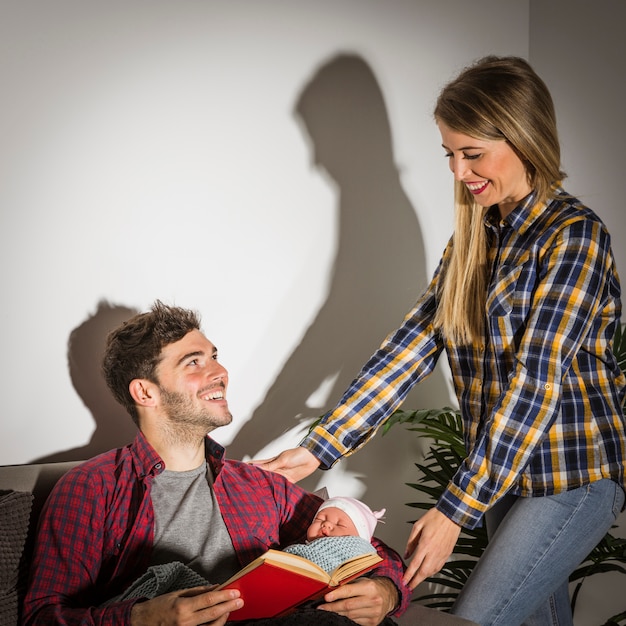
[287, 561]
[355, 565]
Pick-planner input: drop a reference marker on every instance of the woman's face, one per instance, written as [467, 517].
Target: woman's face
[491, 170]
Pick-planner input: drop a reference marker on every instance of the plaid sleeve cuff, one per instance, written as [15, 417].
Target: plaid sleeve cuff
[324, 447]
[461, 508]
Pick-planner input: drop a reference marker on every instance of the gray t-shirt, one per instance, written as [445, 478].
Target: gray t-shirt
[188, 525]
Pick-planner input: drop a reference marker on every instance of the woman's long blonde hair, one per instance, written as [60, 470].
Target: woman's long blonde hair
[496, 98]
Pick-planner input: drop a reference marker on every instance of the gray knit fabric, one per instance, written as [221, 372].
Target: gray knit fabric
[15, 508]
[160, 579]
[330, 552]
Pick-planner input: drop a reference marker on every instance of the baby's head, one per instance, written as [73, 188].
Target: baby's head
[341, 517]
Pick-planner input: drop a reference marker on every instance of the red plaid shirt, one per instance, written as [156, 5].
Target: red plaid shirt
[96, 531]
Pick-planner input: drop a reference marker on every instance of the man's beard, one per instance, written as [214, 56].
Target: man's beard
[187, 419]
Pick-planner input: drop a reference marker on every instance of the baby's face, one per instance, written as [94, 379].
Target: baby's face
[331, 522]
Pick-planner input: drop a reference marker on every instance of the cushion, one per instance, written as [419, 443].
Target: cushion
[15, 508]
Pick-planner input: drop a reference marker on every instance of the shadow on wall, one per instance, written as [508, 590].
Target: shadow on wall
[379, 271]
[114, 426]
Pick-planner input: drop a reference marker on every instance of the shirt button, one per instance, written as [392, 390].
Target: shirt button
[547, 386]
[158, 466]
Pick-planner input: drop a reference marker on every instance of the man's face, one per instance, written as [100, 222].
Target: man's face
[192, 384]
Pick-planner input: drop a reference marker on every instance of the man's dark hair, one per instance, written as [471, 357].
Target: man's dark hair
[133, 350]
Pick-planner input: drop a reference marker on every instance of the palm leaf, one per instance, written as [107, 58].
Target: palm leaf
[619, 347]
[616, 620]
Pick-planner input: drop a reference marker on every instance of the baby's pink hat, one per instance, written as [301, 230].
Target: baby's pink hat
[362, 516]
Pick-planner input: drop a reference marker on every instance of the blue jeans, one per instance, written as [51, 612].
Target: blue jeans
[534, 545]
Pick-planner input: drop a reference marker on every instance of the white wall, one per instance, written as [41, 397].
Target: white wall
[153, 150]
[580, 50]
[168, 149]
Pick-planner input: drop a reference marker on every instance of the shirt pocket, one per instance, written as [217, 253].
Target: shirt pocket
[511, 291]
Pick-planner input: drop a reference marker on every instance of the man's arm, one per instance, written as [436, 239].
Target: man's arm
[392, 570]
[190, 607]
[80, 551]
[67, 558]
[366, 601]
[386, 575]
[263, 509]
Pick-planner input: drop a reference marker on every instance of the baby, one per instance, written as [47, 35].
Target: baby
[342, 528]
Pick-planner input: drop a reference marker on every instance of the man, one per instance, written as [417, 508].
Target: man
[171, 496]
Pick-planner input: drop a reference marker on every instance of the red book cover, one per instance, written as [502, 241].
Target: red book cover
[278, 582]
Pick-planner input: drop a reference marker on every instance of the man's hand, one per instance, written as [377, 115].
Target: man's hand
[189, 607]
[431, 542]
[365, 601]
[295, 464]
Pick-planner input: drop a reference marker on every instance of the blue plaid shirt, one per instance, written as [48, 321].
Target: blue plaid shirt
[541, 395]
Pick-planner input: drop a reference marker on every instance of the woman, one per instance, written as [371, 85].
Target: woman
[525, 303]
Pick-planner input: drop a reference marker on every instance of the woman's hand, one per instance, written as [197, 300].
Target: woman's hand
[295, 464]
[365, 601]
[431, 542]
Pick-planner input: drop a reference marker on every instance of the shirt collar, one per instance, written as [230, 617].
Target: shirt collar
[522, 217]
[214, 455]
[148, 462]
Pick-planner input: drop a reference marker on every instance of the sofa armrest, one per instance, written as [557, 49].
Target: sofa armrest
[24, 490]
[36, 478]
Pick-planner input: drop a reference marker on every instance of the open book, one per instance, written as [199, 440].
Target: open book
[277, 582]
